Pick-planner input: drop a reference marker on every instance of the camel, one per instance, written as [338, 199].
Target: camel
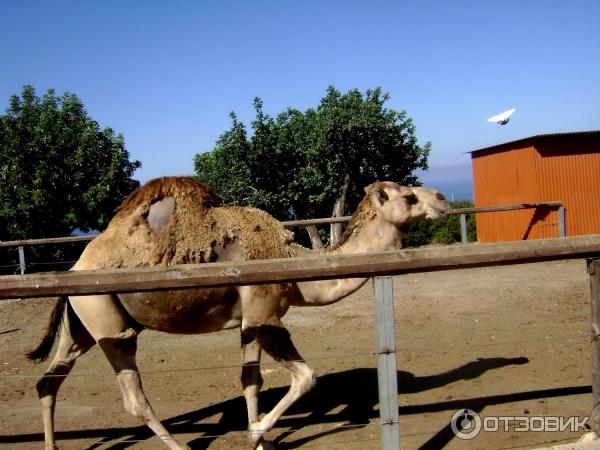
[177, 220]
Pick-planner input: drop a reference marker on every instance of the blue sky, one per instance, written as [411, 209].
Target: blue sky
[166, 74]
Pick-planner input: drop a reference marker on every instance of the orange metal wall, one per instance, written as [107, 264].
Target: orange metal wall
[550, 168]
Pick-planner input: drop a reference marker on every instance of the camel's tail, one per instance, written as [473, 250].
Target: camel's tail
[41, 352]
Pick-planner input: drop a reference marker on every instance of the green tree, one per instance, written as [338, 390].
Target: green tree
[59, 170]
[314, 163]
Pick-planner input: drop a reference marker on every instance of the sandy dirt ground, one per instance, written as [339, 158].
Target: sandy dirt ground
[505, 341]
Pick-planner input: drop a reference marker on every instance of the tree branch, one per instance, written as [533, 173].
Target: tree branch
[338, 211]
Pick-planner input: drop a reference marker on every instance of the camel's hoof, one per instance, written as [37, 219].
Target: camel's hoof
[587, 437]
[255, 435]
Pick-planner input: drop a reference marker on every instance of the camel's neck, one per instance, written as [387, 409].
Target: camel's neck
[372, 236]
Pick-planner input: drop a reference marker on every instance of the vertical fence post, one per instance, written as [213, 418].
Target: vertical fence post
[386, 363]
[593, 267]
[463, 229]
[562, 229]
[22, 259]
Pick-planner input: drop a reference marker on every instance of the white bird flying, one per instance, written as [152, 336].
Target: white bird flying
[502, 118]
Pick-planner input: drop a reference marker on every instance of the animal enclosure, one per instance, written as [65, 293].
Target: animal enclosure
[429, 259]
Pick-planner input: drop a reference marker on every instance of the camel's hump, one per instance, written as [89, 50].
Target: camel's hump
[178, 220]
[200, 194]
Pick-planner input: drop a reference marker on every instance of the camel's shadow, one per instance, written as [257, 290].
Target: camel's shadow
[352, 394]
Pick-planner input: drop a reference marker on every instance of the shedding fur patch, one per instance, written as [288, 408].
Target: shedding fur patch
[160, 213]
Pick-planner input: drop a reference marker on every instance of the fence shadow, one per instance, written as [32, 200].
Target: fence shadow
[445, 435]
[352, 394]
[540, 214]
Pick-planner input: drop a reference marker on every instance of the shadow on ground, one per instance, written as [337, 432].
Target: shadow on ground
[331, 393]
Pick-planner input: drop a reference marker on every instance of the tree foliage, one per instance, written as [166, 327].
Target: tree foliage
[59, 170]
[441, 231]
[295, 165]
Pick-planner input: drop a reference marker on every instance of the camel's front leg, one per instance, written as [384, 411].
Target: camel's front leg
[120, 351]
[276, 342]
[109, 324]
[252, 380]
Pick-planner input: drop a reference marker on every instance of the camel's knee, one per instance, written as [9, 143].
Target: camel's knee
[305, 379]
[134, 399]
[138, 408]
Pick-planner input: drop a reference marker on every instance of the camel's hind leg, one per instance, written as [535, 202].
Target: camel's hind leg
[73, 342]
[108, 323]
[260, 322]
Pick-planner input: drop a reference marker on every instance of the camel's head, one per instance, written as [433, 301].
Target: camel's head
[403, 205]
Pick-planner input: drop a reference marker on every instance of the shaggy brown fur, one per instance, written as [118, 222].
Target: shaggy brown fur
[159, 188]
[196, 226]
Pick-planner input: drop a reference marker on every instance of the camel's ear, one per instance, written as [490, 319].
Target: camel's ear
[370, 188]
[382, 196]
[378, 192]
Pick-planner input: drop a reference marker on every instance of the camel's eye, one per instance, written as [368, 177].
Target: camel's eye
[412, 199]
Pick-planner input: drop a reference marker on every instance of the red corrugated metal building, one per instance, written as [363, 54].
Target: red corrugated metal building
[549, 167]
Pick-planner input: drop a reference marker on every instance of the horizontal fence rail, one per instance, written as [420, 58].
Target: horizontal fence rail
[295, 223]
[43, 241]
[298, 269]
[309, 222]
[500, 208]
